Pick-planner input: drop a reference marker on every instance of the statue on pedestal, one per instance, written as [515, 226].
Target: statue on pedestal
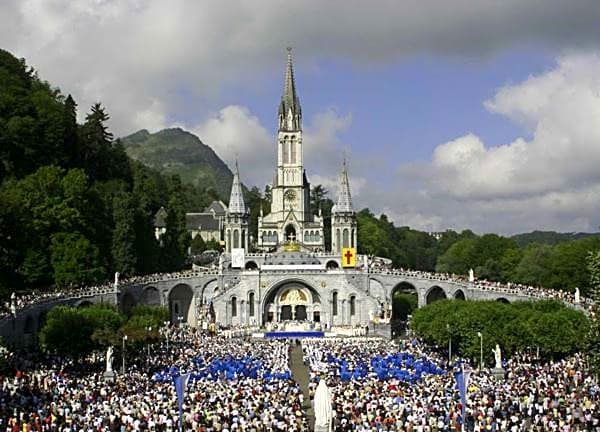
[471, 275]
[109, 359]
[116, 280]
[498, 356]
[577, 296]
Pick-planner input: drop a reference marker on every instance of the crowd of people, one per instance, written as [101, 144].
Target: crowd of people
[235, 385]
[417, 391]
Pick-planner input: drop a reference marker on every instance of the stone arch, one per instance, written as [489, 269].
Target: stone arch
[251, 265]
[268, 302]
[152, 296]
[434, 294]
[127, 302]
[404, 298]
[377, 290]
[502, 300]
[180, 301]
[84, 303]
[459, 295]
[332, 265]
[29, 327]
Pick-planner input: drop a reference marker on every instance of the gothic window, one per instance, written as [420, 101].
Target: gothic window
[251, 303]
[228, 240]
[236, 239]
[286, 150]
[293, 150]
[334, 311]
[346, 241]
[352, 305]
[275, 237]
[337, 238]
[352, 239]
[233, 306]
[243, 238]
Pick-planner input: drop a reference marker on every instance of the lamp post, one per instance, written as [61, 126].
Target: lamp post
[149, 331]
[480, 350]
[449, 344]
[123, 366]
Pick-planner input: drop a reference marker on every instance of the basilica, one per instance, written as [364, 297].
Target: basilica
[288, 273]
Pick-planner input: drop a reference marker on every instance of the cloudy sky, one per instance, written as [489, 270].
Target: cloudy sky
[454, 114]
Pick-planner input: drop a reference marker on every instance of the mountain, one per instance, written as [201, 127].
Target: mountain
[548, 237]
[175, 151]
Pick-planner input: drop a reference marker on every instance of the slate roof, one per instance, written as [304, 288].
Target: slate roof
[218, 207]
[202, 221]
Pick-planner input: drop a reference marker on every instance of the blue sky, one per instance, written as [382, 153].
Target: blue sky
[479, 115]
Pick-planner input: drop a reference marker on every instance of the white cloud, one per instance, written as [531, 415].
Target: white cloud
[130, 53]
[551, 180]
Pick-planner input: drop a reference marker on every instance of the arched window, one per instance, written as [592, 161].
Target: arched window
[338, 243]
[286, 150]
[334, 311]
[293, 150]
[352, 305]
[233, 306]
[346, 240]
[228, 240]
[352, 238]
[243, 238]
[236, 239]
[251, 303]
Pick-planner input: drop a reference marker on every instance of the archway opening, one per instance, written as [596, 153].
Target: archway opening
[404, 301]
[152, 296]
[251, 265]
[502, 300]
[435, 294]
[180, 300]
[127, 303]
[84, 304]
[332, 265]
[290, 301]
[290, 233]
[459, 295]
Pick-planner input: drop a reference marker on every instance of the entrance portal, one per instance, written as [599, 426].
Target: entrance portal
[290, 233]
[300, 313]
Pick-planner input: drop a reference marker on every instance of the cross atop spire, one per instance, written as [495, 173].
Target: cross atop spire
[236, 199]
[290, 112]
[344, 199]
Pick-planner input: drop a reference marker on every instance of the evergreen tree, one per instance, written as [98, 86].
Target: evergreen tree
[97, 140]
[123, 236]
[71, 132]
[176, 239]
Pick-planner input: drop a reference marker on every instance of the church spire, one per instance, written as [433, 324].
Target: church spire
[344, 199]
[236, 199]
[290, 112]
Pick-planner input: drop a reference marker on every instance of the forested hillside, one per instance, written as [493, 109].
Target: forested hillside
[74, 207]
[175, 151]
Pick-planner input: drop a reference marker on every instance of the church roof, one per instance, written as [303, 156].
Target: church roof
[344, 199]
[217, 207]
[201, 221]
[236, 199]
[290, 99]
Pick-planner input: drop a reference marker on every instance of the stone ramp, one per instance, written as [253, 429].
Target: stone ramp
[300, 374]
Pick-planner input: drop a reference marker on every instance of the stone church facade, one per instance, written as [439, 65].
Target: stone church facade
[291, 277]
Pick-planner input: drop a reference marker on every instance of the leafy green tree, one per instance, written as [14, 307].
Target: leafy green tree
[75, 261]
[198, 245]
[593, 337]
[534, 267]
[123, 237]
[459, 257]
[176, 238]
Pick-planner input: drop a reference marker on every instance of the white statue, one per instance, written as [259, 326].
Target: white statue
[471, 276]
[577, 296]
[109, 359]
[498, 356]
[116, 280]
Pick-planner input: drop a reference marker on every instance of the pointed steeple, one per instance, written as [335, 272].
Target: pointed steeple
[344, 199]
[236, 199]
[290, 112]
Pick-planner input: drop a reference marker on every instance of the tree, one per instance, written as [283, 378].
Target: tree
[593, 338]
[75, 261]
[176, 239]
[123, 236]
[197, 246]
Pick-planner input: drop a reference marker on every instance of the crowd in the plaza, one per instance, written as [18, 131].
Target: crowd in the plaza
[234, 385]
[413, 394]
